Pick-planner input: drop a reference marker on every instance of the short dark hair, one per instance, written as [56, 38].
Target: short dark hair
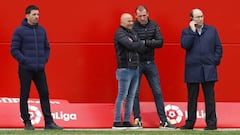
[141, 8]
[30, 8]
[191, 13]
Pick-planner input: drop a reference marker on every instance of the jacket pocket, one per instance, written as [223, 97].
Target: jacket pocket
[210, 72]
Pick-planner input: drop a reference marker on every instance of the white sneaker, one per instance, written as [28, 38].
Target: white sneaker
[138, 122]
[167, 125]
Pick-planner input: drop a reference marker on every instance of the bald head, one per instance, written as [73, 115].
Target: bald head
[195, 11]
[126, 20]
[197, 16]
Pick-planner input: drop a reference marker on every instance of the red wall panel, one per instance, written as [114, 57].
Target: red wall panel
[97, 20]
[86, 73]
[82, 62]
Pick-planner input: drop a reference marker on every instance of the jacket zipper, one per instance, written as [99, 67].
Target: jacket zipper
[36, 47]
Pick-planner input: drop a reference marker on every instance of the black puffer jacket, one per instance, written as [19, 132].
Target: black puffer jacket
[127, 45]
[153, 37]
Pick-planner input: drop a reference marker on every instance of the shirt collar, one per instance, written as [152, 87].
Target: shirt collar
[200, 30]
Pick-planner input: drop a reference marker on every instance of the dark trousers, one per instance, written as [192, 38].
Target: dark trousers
[210, 105]
[149, 69]
[39, 79]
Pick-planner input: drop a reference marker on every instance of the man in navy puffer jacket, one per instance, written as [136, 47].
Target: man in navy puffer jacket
[31, 49]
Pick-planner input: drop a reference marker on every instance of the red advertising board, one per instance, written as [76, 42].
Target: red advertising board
[100, 115]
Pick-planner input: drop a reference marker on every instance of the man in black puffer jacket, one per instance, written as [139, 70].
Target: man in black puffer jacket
[31, 49]
[149, 31]
[127, 46]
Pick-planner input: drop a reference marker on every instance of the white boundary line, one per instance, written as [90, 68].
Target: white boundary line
[142, 129]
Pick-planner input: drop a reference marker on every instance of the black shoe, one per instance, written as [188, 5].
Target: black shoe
[118, 125]
[185, 127]
[128, 125]
[28, 126]
[210, 128]
[52, 125]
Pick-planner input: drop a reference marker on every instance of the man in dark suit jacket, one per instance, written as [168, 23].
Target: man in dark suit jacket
[203, 55]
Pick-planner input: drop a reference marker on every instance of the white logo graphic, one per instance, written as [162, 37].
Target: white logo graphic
[35, 114]
[174, 114]
[64, 116]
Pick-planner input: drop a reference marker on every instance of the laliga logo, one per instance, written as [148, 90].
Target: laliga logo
[35, 114]
[174, 114]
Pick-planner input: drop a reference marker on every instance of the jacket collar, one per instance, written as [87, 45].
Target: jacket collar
[25, 23]
[204, 28]
[128, 30]
[139, 24]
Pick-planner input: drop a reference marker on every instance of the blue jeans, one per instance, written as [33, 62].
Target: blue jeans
[127, 86]
[149, 69]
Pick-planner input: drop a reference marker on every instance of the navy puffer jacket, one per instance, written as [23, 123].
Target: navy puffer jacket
[30, 46]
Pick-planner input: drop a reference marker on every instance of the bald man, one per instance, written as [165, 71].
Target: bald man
[203, 54]
[127, 45]
[126, 21]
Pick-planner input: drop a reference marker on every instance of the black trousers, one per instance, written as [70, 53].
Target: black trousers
[39, 79]
[210, 105]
